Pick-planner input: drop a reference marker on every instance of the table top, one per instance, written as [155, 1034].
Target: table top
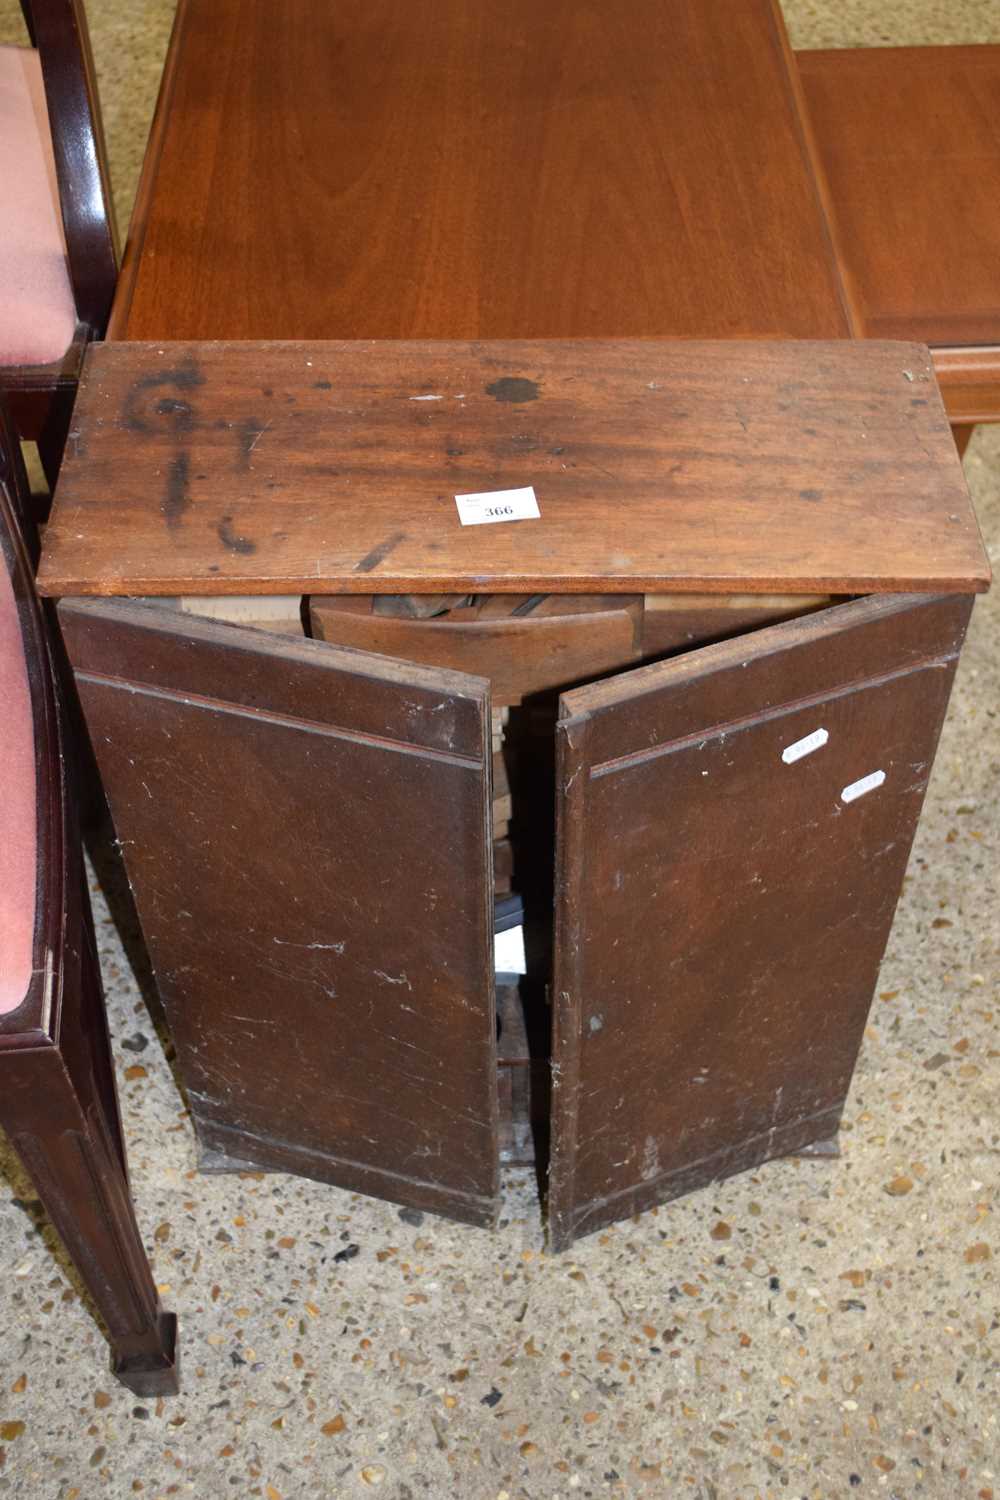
[909, 139]
[658, 466]
[493, 169]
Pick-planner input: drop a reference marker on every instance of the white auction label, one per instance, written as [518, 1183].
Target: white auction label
[863, 787]
[497, 505]
[814, 741]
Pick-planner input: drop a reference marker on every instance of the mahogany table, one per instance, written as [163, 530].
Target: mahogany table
[715, 817]
[504, 169]
[909, 142]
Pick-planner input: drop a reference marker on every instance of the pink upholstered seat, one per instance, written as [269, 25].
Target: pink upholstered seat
[17, 808]
[37, 313]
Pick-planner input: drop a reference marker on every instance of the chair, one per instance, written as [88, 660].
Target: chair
[58, 260]
[58, 1101]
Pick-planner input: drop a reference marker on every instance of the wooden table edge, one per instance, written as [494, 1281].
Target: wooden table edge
[128, 275]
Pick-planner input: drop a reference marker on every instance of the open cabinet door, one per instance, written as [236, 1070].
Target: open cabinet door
[733, 826]
[306, 833]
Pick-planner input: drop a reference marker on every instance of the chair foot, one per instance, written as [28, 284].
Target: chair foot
[156, 1373]
[52, 438]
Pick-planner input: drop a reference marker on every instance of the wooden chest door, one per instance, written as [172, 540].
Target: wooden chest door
[732, 831]
[306, 832]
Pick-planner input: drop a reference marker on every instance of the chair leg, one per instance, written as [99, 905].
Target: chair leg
[962, 432]
[52, 437]
[43, 416]
[60, 1110]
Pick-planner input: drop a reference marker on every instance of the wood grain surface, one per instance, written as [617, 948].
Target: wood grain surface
[306, 835]
[970, 385]
[658, 467]
[519, 657]
[500, 169]
[909, 140]
[722, 909]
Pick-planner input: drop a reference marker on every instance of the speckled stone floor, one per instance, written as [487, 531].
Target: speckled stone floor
[809, 1330]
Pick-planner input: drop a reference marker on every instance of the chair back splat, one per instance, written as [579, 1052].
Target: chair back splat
[58, 251]
[60, 33]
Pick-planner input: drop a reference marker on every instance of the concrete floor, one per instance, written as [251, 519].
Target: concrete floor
[801, 1331]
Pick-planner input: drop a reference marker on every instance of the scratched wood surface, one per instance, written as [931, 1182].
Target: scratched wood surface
[306, 835]
[715, 963]
[658, 467]
[500, 169]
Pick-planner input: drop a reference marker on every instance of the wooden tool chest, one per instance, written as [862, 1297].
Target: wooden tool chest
[686, 716]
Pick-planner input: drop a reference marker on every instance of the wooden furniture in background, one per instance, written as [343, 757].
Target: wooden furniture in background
[499, 170]
[58, 1101]
[57, 246]
[909, 142]
[509, 170]
[307, 826]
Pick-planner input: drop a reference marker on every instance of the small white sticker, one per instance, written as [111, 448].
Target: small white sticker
[814, 741]
[508, 951]
[498, 505]
[859, 788]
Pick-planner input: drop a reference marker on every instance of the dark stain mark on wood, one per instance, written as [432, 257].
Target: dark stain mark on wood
[380, 553]
[514, 388]
[810, 494]
[323, 385]
[172, 406]
[233, 540]
[182, 377]
[177, 497]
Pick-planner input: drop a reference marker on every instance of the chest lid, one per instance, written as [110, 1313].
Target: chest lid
[657, 466]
